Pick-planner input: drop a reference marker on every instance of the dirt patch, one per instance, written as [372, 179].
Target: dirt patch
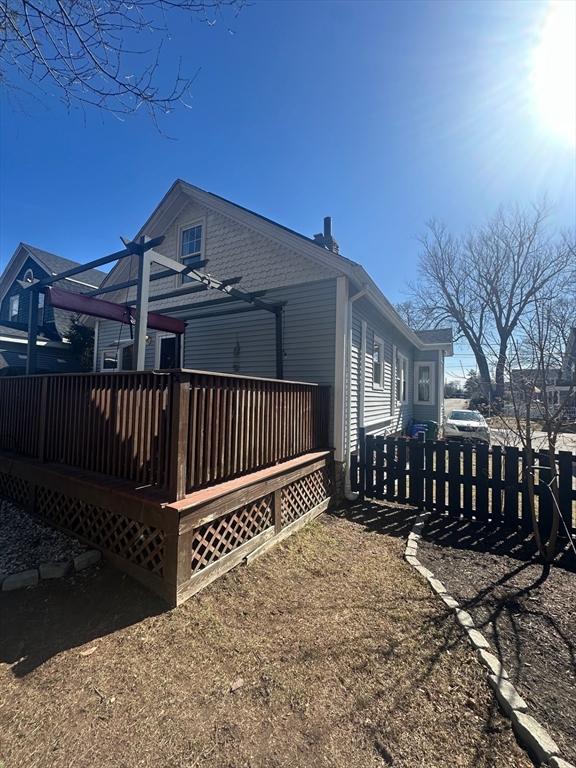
[531, 625]
[26, 543]
[328, 651]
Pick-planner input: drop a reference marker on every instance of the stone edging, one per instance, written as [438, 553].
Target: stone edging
[529, 733]
[31, 577]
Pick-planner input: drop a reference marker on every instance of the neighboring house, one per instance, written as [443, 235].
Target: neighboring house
[338, 327]
[559, 383]
[26, 265]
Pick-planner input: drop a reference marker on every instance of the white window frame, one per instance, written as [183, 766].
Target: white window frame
[159, 337]
[201, 222]
[14, 301]
[417, 366]
[41, 308]
[378, 342]
[114, 348]
[401, 362]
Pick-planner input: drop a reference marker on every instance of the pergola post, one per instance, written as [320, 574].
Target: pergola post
[278, 319]
[32, 330]
[142, 294]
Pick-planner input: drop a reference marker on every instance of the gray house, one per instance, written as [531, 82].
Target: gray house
[338, 328]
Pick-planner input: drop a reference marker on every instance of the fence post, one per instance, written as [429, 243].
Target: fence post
[179, 427]
[565, 460]
[416, 475]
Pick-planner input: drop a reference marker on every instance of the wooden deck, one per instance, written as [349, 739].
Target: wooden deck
[176, 476]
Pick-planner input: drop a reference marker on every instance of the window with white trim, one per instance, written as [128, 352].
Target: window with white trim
[14, 308]
[40, 308]
[424, 373]
[378, 363]
[401, 378]
[118, 358]
[191, 247]
[29, 276]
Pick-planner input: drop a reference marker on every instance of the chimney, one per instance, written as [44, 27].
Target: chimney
[325, 239]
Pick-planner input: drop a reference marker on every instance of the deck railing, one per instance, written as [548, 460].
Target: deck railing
[177, 430]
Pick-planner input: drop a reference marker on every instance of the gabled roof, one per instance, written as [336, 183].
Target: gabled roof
[55, 264]
[167, 210]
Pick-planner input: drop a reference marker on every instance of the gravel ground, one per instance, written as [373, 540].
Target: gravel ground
[27, 543]
[530, 623]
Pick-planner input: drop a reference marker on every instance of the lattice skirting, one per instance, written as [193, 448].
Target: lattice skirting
[216, 539]
[221, 537]
[140, 544]
[15, 489]
[300, 497]
[172, 551]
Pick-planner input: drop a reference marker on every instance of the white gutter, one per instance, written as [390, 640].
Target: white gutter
[348, 493]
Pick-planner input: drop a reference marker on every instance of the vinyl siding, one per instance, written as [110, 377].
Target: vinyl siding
[378, 415]
[245, 343]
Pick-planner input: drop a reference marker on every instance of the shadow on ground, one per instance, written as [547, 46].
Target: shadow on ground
[37, 624]
[479, 537]
[379, 517]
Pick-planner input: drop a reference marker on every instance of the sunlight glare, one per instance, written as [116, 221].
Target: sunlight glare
[554, 70]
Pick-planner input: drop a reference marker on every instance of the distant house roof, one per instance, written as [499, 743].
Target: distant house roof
[56, 264]
[435, 335]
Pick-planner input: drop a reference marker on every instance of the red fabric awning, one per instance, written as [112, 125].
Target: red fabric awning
[86, 305]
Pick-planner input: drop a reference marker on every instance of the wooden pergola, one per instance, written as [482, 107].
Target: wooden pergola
[136, 312]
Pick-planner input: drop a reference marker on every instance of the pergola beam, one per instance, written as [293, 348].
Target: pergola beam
[184, 290]
[131, 283]
[130, 250]
[213, 303]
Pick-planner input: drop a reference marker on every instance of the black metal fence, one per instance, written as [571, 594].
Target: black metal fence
[469, 480]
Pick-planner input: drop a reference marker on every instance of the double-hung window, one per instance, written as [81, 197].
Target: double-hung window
[14, 308]
[191, 246]
[378, 363]
[40, 309]
[401, 378]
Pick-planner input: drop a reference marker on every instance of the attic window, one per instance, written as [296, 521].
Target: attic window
[191, 247]
[29, 276]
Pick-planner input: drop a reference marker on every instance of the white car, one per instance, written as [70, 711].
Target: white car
[467, 425]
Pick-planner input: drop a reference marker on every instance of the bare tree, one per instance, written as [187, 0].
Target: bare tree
[486, 282]
[412, 314]
[100, 54]
[541, 370]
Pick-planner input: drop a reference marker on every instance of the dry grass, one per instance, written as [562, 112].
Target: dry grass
[345, 659]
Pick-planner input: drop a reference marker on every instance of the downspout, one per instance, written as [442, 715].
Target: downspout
[348, 493]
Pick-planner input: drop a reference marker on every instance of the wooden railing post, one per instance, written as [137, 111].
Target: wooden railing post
[43, 419]
[180, 408]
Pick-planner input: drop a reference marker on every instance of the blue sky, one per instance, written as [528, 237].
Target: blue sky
[380, 114]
